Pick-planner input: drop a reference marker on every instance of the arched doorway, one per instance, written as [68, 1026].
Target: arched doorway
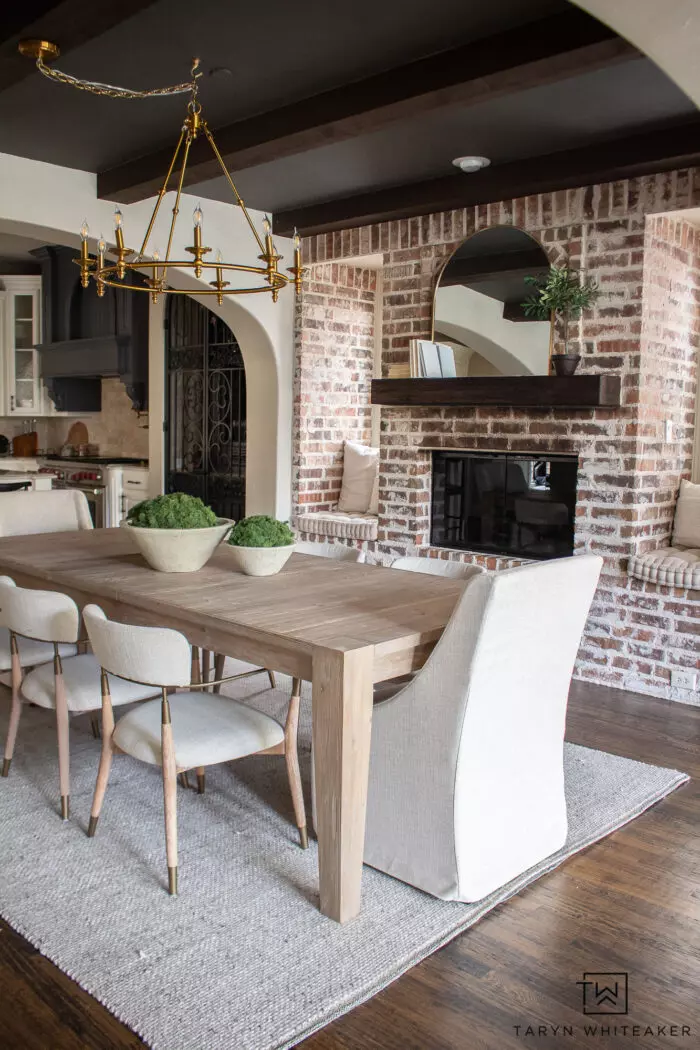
[205, 408]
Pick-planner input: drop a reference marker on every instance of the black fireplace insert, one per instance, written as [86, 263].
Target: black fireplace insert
[516, 505]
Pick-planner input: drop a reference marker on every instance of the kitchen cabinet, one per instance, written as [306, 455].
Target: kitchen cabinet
[126, 486]
[22, 392]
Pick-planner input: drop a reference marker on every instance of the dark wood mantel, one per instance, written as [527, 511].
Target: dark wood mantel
[581, 391]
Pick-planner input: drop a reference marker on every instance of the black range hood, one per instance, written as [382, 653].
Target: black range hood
[87, 337]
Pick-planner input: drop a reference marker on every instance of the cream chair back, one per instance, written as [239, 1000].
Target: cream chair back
[454, 570]
[47, 616]
[338, 551]
[471, 751]
[29, 513]
[152, 655]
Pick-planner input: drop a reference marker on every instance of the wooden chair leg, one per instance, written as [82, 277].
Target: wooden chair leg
[105, 758]
[183, 780]
[196, 666]
[206, 665]
[95, 726]
[273, 680]
[63, 736]
[291, 757]
[201, 780]
[219, 661]
[169, 794]
[16, 709]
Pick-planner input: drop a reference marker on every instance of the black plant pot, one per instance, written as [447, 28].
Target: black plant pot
[565, 364]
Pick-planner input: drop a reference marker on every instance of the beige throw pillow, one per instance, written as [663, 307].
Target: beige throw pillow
[686, 524]
[360, 467]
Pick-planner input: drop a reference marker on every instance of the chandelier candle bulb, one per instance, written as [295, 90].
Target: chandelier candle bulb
[297, 271]
[84, 260]
[219, 283]
[101, 249]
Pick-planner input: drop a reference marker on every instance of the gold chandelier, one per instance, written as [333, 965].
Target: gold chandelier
[113, 262]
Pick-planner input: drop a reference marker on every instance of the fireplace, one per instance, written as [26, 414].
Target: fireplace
[511, 504]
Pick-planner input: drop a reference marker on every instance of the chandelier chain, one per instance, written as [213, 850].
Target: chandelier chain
[96, 88]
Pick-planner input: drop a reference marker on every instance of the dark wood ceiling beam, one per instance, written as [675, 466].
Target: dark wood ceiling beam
[542, 52]
[68, 24]
[642, 154]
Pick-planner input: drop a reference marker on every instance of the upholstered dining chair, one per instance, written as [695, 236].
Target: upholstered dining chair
[466, 785]
[453, 570]
[58, 510]
[181, 730]
[337, 551]
[23, 513]
[69, 684]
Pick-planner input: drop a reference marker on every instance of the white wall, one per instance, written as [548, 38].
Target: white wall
[49, 203]
[476, 320]
[667, 32]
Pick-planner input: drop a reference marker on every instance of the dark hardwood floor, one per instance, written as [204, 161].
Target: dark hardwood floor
[630, 903]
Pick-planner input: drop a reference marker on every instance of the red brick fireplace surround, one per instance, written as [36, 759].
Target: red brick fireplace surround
[645, 328]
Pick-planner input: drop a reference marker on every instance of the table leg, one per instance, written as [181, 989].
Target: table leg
[342, 719]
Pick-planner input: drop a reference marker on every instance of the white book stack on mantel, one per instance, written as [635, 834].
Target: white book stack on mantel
[430, 360]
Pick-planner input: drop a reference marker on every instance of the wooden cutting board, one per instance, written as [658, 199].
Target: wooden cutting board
[25, 444]
[77, 435]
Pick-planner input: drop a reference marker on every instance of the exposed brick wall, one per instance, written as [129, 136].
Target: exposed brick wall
[334, 365]
[628, 476]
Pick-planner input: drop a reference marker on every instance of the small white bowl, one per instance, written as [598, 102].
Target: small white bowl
[261, 561]
[178, 550]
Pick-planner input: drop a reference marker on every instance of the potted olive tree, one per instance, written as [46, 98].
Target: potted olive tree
[262, 545]
[562, 294]
[176, 532]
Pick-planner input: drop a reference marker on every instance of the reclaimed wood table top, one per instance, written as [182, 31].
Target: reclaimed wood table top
[313, 602]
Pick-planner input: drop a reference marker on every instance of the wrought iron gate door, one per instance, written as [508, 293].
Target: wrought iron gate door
[205, 408]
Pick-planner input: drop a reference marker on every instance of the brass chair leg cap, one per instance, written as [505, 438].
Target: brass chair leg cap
[304, 838]
[6, 767]
[92, 827]
[65, 807]
[172, 882]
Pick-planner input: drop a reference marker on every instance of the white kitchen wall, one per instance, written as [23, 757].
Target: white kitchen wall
[117, 429]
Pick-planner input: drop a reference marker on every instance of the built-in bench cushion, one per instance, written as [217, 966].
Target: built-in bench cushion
[686, 523]
[335, 523]
[670, 566]
[360, 473]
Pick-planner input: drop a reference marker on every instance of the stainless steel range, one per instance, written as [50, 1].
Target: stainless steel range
[87, 476]
[101, 480]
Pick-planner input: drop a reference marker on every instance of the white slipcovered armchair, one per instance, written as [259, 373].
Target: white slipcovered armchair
[466, 786]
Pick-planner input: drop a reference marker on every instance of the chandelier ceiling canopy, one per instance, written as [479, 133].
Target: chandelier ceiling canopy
[115, 263]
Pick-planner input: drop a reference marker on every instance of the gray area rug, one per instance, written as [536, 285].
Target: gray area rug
[242, 959]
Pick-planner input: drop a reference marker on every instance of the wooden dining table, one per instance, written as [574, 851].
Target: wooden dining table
[341, 626]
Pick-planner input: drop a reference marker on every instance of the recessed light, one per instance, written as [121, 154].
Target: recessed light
[471, 164]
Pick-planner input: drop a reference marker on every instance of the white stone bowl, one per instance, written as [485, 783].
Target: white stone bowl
[178, 550]
[261, 561]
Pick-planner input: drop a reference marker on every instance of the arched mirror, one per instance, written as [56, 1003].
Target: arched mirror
[478, 316]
